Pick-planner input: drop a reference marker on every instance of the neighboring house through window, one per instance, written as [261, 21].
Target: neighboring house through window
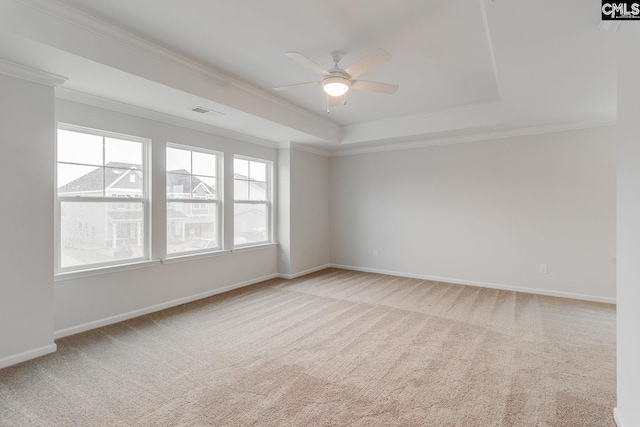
[193, 202]
[102, 198]
[252, 201]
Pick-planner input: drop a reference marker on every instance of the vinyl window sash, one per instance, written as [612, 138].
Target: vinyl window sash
[268, 203]
[104, 200]
[217, 201]
[269, 239]
[104, 182]
[219, 231]
[144, 199]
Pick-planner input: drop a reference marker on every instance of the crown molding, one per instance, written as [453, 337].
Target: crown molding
[309, 149]
[492, 54]
[30, 74]
[412, 125]
[87, 22]
[612, 26]
[303, 147]
[425, 115]
[509, 133]
[121, 107]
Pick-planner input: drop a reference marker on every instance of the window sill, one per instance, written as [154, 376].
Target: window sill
[193, 257]
[78, 274]
[254, 247]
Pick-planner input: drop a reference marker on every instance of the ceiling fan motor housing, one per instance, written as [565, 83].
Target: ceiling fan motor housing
[336, 84]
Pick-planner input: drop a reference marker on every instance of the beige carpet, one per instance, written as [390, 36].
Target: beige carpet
[335, 348]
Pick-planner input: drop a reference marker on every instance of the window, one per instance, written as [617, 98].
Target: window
[252, 206]
[193, 201]
[102, 198]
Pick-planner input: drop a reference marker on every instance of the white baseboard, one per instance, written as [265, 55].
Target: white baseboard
[27, 355]
[546, 292]
[302, 273]
[616, 417]
[141, 312]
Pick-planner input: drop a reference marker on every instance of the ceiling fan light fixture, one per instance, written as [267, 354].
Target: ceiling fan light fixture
[336, 85]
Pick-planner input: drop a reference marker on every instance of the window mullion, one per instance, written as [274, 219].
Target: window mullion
[79, 164]
[98, 199]
[192, 200]
[249, 180]
[104, 170]
[252, 202]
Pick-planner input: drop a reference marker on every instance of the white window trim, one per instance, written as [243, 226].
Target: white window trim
[192, 256]
[145, 200]
[219, 202]
[268, 203]
[78, 274]
[255, 247]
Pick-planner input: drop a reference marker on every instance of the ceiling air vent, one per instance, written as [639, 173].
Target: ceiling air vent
[202, 110]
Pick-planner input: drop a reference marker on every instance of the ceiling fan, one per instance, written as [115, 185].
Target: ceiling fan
[337, 81]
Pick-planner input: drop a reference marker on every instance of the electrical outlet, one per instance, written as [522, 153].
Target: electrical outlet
[375, 253]
[281, 256]
[543, 269]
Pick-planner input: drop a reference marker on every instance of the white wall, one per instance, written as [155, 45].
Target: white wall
[309, 211]
[628, 410]
[26, 215]
[485, 213]
[284, 211]
[303, 222]
[92, 301]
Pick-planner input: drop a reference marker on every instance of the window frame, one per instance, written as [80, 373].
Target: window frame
[218, 202]
[144, 200]
[268, 202]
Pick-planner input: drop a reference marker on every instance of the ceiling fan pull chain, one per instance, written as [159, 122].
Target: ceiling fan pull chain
[344, 99]
[327, 104]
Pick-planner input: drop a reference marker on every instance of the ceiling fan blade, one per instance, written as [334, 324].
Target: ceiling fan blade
[286, 87]
[306, 62]
[371, 60]
[378, 87]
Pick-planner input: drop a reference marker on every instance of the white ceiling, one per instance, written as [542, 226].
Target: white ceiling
[463, 66]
